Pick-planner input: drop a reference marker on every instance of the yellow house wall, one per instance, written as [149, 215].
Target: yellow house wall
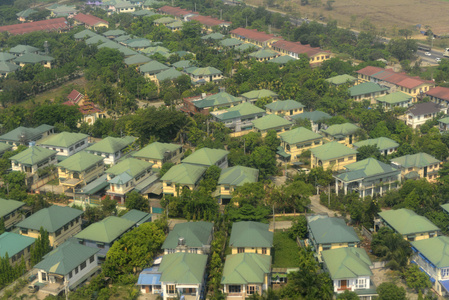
[278, 131]
[296, 111]
[431, 168]
[18, 259]
[348, 159]
[294, 151]
[225, 192]
[251, 250]
[13, 219]
[173, 189]
[319, 58]
[99, 170]
[241, 133]
[335, 246]
[56, 241]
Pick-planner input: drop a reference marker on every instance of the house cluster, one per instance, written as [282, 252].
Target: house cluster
[22, 55]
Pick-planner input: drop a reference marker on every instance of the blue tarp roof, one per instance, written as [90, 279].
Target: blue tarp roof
[149, 276]
[445, 284]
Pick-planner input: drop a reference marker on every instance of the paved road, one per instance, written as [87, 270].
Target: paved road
[316, 207]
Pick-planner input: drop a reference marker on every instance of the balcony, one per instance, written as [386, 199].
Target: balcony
[53, 288]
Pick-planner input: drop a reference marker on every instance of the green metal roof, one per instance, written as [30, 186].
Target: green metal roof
[347, 263]
[314, 116]
[245, 268]
[184, 174]
[383, 143]
[326, 230]
[257, 94]
[445, 207]
[164, 20]
[13, 243]
[444, 120]
[86, 33]
[24, 133]
[5, 56]
[251, 234]
[241, 110]
[284, 105]
[20, 49]
[63, 139]
[245, 47]
[195, 234]
[213, 36]
[51, 218]
[169, 74]
[137, 59]
[366, 88]
[418, 160]
[96, 39]
[152, 50]
[366, 168]
[436, 250]
[137, 217]
[182, 64]
[238, 176]
[272, 121]
[341, 129]
[33, 155]
[8, 206]
[138, 43]
[406, 221]
[205, 157]
[143, 12]
[153, 66]
[299, 135]
[230, 42]
[332, 150]
[130, 166]
[341, 79]
[80, 161]
[111, 144]
[183, 268]
[123, 4]
[123, 38]
[114, 32]
[207, 71]
[5, 147]
[33, 58]
[156, 150]
[264, 53]
[26, 13]
[106, 231]
[218, 99]
[282, 60]
[395, 98]
[65, 258]
[6, 67]
[175, 24]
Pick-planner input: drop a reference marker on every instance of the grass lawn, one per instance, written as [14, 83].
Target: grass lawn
[285, 254]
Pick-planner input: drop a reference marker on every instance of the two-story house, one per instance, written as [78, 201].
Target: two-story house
[253, 96]
[111, 148]
[34, 59]
[207, 157]
[180, 177]
[65, 143]
[10, 212]
[367, 90]
[251, 237]
[285, 107]
[24, 135]
[332, 155]
[407, 223]
[160, 153]
[258, 38]
[385, 145]
[203, 75]
[206, 103]
[190, 237]
[232, 178]
[316, 118]
[263, 55]
[61, 223]
[297, 141]
[342, 79]
[16, 246]
[4, 147]
[396, 99]
[419, 165]
[150, 69]
[271, 122]
[443, 124]
[345, 134]
[420, 113]
[295, 49]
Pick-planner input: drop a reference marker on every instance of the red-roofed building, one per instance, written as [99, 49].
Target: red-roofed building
[89, 110]
[255, 37]
[58, 24]
[177, 12]
[90, 21]
[209, 22]
[439, 95]
[413, 86]
[75, 96]
[295, 49]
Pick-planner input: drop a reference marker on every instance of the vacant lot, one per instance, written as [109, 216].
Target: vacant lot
[286, 252]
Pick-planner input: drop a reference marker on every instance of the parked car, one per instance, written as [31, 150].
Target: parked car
[32, 288]
[438, 59]
[427, 54]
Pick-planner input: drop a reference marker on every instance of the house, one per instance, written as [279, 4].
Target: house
[286, 107]
[271, 122]
[204, 104]
[150, 69]
[124, 7]
[295, 49]
[138, 59]
[407, 223]
[232, 178]
[16, 246]
[137, 216]
[160, 153]
[10, 212]
[255, 37]
[84, 34]
[149, 281]
[67, 267]
[6, 57]
[368, 177]
[431, 256]
[345, 134]
[137, 43]
[263, 55]
[111, 34]
[102, 234]
[332, 155]
[207, 157]
[255, 95]
[65, 143]
[180, 177]
[326, 233]
[63, 11]
[420, 165]
[111, 148]
[203, 75]
[213, 37]
[239, 118]
[316, 118]
[282, 60]
[4, 148]
[396, 99]
[367, 90]
[126, 175]
[24, 135]
[163, 21]
[246, 274]
[61, 223]
[34, 59]
[80, 169]
[418, 114]
[167, 75]
[182, 64]
[385, 145]
[296, 141]
[183, 274]
[90, 21]
[75, 97]
[58, 25]
[20, 50]
[6, 68]
[230, 43]
[439, 95]
[175, 26]
[342, 79]
[209, 22]
[23, 15]
[177, 12]
[443, 124]
[251, 237]
[190, 237]
[350, 269]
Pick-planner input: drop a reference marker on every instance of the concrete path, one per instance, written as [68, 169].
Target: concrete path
[318, 208]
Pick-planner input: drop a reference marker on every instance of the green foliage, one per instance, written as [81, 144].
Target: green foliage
[348, 295]
[367, 152]
[40, 247]
[193, 205]
[390, 291]
[402, 48]
[134, 200]
[299, 228]
[210, 179]
[285, 253]
[165, 167]
[249, 193]
[247, 212]
[415, 279]
[261, 102]
[392, 247]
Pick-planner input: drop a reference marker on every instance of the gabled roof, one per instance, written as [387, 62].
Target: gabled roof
[341, 79]
[439, 92]
[383, 143]
[75, 96]
[96, 39]
[251, 234]
[400, 79]
[63, 139]
[207, 71]
[299, 135]
[195, 234]
[418, 160]
[326, 230]
[175, 24]
[229, 42]
[436, 250]
[169, 74]
[131, 167]
[332, 150]
[221, 98]
[347, 263]
[244, 268]
[253, 34]
[264, 53]
[395, 98]
[272, 121]
[205, 157]
[111, 144]
[123, 4]
[184, 174]
[444, 120]
[425, 108]
[298, 48]
[51, 218]
[183, 268]
[8, 206]
[65, 258]
[366, 88]
[213, 36]
[89, 20]
[105, 231]
[176, 11]
[86, 33]
[238, 176]
[257, 94]
[366, 168]
[80, 161]
[284, 105]
[25, 133]
[33, 155]
[341, 129]
[156, 150]
[243, 109]
[137, 59]
[33, 58]
[153, 66]
[138, 43]
[13, 243]
[406, 221]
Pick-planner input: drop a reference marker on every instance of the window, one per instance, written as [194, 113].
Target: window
[234, 288]
[83, 265]
[341, 160]
[58, 232]
[251, 289]
[445, 272]
[100, 245]
[264, 250]
[193, 250]
[361, 283]
[24, 230]
[240, 250]
[170, 289]
[70, 274]
[76, 270]
[91, 259]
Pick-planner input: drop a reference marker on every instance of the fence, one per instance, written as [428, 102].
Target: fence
[367, 233]
[379, 264]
